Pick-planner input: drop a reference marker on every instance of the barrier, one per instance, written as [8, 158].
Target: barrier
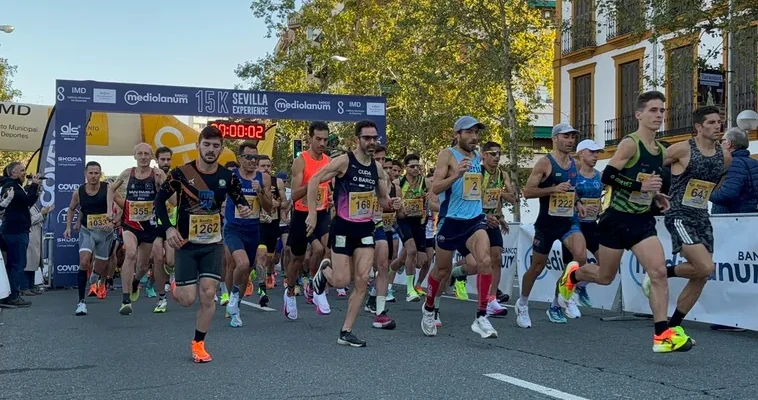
[5, 285]
[730, 296]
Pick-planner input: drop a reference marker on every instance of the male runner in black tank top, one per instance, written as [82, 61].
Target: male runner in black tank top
[269, 225]
[139, 225]
[201, 187]
[95, 232]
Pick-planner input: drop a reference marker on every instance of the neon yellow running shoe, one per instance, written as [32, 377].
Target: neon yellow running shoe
[253, 275]
[671, 340]
[224, 299]
[460, 290]
[565, 286]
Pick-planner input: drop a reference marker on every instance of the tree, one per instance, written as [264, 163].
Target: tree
[8, 93]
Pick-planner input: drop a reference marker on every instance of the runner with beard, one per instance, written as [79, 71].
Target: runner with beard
[357, 186]
[392, 168]
[462, 226]
[163, 254]
[270, 231]
[304, 168]
[139, 226]
[201, 186]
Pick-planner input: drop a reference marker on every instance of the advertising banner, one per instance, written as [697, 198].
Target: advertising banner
[731, 295]
[70, 142]
[225, 103]
[544, 288]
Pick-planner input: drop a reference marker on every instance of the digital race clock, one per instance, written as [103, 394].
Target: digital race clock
[240, 130]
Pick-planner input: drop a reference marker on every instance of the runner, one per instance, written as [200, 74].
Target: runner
[462, 226]
[552, 181]
[241, 234]
[357, 186]
[95, 232]
[282, 251]
[201, 187]
[697, 166]
[389, 221]
[589, 190]
[303, 169]
[163, 254]
[634, 173]
[139, 225]
[270, 231]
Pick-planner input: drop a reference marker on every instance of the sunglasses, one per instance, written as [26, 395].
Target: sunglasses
[412, 166]
[248, 157]
[494, 153]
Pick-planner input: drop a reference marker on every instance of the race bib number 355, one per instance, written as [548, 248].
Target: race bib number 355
[561, 204]
[697, 193]
[140, 211]
[205, 229]
[472, 186]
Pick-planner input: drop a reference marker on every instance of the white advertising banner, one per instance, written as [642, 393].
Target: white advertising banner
[544, 288]
[731, 295]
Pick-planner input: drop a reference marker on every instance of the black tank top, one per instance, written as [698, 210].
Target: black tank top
[140, 195]
[691, 190]
[275, 196]
[355, 192]
[557, 176]
[96, 206]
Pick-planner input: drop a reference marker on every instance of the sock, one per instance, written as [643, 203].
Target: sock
[483, 283]
[389, 288]
[380, 302]
[582, 284]
[671, 272]
[434, 286]
[224, 290]
[409, 285]
[125, 298]
[235, 289]
[677, 318]
[135, 285]
[572, 277]
[437, 302]
[81, 281]
[661, 327]
[162, 296]
[199, 336]
[523, 301]
[109, 282]
[555, 302]
[458, 272]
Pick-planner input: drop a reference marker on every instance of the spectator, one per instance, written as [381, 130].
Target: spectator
[737, 192]
[34, 251]
[15, 228]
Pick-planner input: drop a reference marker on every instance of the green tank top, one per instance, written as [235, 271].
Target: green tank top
[639, 167]
[171, 215]
[491, 193]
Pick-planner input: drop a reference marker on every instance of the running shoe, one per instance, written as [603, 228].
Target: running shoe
[160, 307]
[502, 297]
[584, 298]
[555, 314]
[151, 291]
[572, 311]
[437, 320]
[308, 290]
[383, 321]
[290, 306]
[249, 289]
[412, 296]
[235, 321]
[81, 309]
[484, 328]
[680, 330]
[126, 309]
[199, 355]
[522, 316]
[319, 281]
[341, 293]
[134, 295]
[92, 290]
[428, 325]
[262, 298]
[349, 339]
[224, 299]
[646, 286]
[460, 290]
[102, 291]
[391, 296]
[495, 310]
[565, 286]
[370, 305]
[270, 281]
[233, 307]
[322, 304]
[420, 291]
[672, 340]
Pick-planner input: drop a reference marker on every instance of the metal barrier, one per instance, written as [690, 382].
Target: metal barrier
[48, 241]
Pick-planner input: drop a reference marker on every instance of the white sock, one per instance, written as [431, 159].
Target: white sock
[380, 300]
[523, 301]
[555, 302]
[389, 288]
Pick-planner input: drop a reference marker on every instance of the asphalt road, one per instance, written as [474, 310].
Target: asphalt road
[46, 352]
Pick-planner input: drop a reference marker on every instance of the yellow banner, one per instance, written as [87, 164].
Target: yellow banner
[97, 129]
[168, 131]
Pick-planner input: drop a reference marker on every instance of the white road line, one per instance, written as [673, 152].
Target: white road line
[455, 298]
[535, 387]
[247, 303]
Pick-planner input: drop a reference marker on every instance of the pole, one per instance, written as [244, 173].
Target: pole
[730, 72]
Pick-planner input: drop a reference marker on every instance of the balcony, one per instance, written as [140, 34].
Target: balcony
[617, 128]
[627, 18]
[678, 121]
[585, 132]
[579, 35]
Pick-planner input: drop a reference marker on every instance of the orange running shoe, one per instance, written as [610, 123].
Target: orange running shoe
[270, 282]
[92, 290]
[101, 291]
[199, 355]
[420, 291]
[249, 290]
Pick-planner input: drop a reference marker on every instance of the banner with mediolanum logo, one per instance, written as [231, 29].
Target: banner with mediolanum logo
[22, 127]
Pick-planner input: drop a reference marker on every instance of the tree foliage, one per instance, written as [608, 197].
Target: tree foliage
[8, 93]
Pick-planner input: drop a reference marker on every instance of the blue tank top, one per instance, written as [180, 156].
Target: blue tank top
[557, 176]
[588, 188]
[463, 200]
[230, 212]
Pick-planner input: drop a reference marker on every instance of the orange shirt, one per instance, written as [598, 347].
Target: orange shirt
[311, 167]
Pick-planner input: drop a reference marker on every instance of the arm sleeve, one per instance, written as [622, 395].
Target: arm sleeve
[165, 192]
[729, 191]
[235, 192]
[613, 177]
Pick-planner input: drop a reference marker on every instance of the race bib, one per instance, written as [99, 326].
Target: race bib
[562, 204]
[644, 198]
[205, 229]
[323, 192]
[388, 219]
[361, 205]
[591, 209]
[140, 211]
[491, 199]
[97, 221]
[697, 193]
[255, 206]
[472, 186]
[413, 207]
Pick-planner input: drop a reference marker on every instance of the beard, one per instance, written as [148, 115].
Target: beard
[209, 157]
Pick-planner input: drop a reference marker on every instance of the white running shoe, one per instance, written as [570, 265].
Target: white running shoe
[81, 309]
[322, 304]
[233, 307]
[495, 310]
[428, 325]
[522, 316]
[572, 311]
[235, 321]
[290, 306]
[484, 328]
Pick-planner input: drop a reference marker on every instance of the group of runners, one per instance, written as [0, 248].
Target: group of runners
[341, 220]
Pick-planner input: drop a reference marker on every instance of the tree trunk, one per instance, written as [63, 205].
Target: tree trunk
[511, 117]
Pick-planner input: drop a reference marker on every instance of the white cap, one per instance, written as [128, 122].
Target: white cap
[588, 144]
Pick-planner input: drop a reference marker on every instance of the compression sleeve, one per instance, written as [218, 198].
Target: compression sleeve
[613, 177]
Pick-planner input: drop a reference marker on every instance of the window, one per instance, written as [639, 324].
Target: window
[582, 100]
[629, 16]
[628, 85]
[743, 90]
[680, 86]
[581, 32]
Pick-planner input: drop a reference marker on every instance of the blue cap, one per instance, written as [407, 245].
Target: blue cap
[282, 176]
[467, 122]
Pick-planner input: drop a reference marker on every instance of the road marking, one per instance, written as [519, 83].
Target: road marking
[535, 387]
[247, 303]
[455, 298]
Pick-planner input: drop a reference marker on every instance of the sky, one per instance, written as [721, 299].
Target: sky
[169, 42]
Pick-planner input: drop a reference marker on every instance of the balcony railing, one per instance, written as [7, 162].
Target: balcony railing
[586, 131]
[628, 17]
[579, 34]
[617, 128]
[678, 120]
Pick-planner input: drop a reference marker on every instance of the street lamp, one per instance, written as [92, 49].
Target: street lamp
[7, 28]
[747, 120]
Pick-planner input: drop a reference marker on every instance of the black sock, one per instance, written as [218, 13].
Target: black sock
[677, 318]
[109, 282]
[572, 277]
[481, 313]
[135, 285]
[670, 272]
[661, 327]
[125, 298]
[199, 336]
[235, 289]
[161, 296]
[81, 282]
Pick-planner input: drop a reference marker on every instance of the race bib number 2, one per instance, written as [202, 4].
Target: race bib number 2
[472, 186]
[205, 229]
[561, 204]
[697, 193]
[361, 205]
